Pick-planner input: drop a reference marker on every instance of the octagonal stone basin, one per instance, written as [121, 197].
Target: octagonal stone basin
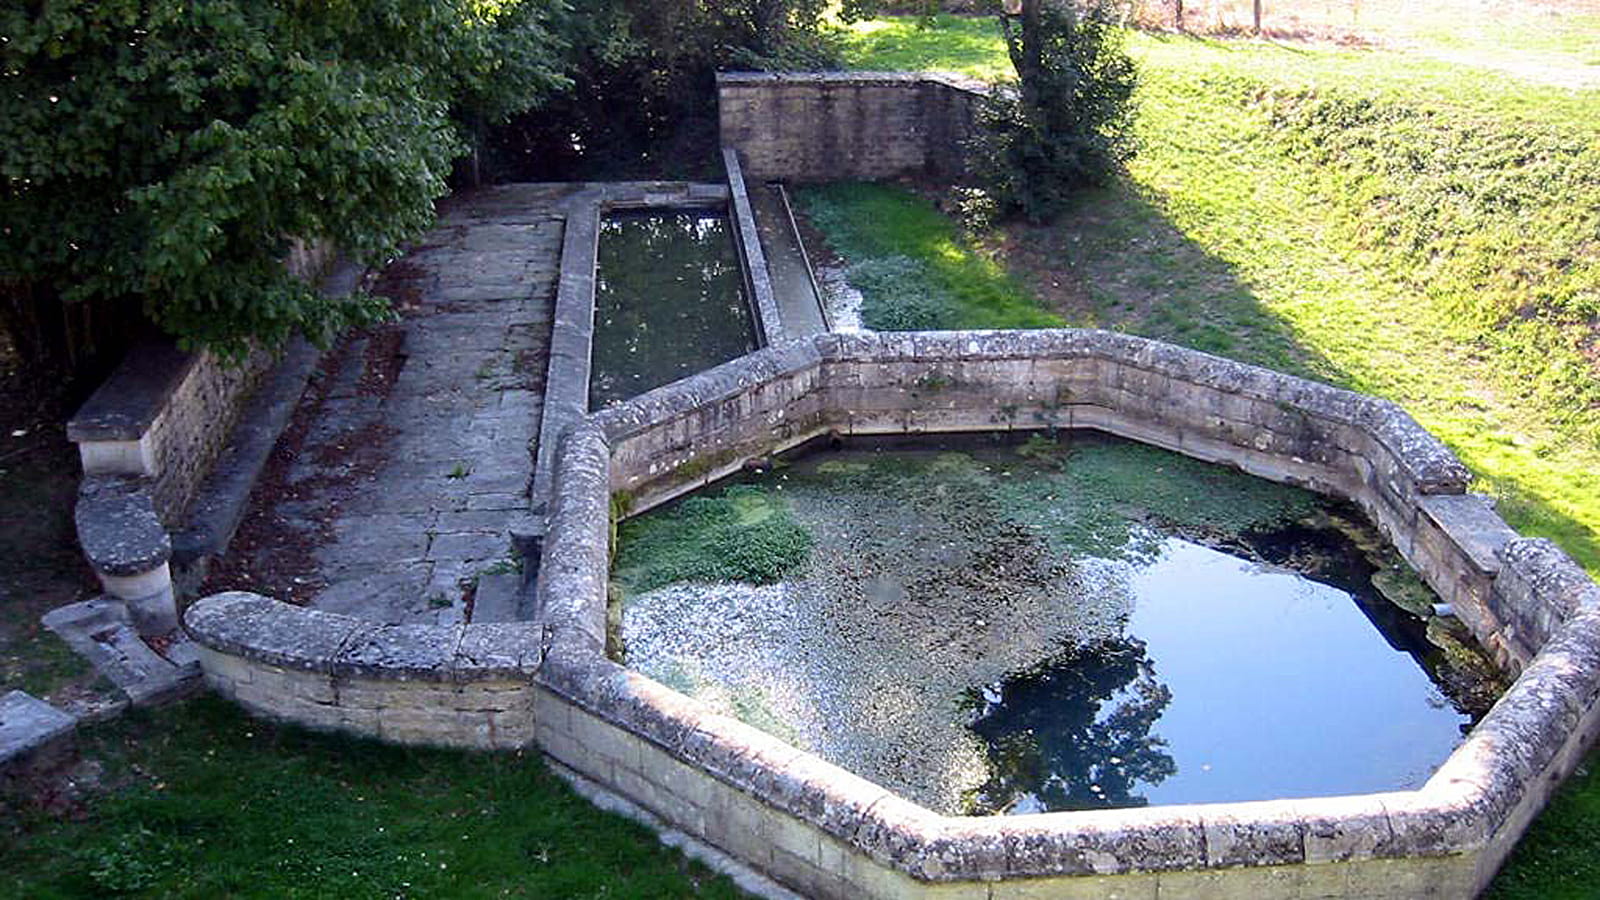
[825, 832]
[988, 624]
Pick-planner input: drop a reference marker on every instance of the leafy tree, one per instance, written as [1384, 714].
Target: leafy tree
[1066, 122]
[643, 102]
[165, 153]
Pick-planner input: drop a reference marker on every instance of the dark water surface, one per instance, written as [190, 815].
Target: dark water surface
[1022, 629]
[1234, 680]
[669, 302]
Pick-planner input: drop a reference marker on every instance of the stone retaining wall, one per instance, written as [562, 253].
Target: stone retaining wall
[847, 126]
[164, 415]
[462, 685]
[828, 833]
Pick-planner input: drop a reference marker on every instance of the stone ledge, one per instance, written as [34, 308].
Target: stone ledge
[128, 403]
[29, 726]
[949, 79]
[262, 630]
[118, 526]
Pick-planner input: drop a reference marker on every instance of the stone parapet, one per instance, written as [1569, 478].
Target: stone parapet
[847, 126]
[462, 686]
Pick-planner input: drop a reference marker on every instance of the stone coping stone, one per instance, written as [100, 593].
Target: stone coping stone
[705, 388]
[1472, 523]
[27, 724]
[263, 630]
[1549, 574]
[127, 404]
[862, 78]
[769, 320]
[118, 526]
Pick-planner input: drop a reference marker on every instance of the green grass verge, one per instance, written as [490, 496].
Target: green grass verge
[211, 803]
[1415, 229]
[915, 269]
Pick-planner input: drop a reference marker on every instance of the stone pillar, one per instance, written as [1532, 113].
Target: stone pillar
[129, 549]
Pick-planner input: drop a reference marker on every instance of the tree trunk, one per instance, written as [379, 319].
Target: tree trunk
[1177, 14]
[1256, 9]
[1023, 45]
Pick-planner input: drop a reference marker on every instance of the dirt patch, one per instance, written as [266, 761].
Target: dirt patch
[289, 518]
[41, 566]
[402, 282]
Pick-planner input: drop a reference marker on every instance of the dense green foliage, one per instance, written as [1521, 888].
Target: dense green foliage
[912, 265]
[643, 101]
[1066, 121]
[740, 533]
[206, 802]
[166, 153]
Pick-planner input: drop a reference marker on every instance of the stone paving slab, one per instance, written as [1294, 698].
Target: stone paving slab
[28, 724]
[101, 631]
[413, 453]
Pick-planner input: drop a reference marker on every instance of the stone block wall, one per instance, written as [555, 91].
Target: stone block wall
[855, 126]
[463, 686]
[165, 415]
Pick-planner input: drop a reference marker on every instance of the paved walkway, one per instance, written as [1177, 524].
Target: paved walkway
[394, 488]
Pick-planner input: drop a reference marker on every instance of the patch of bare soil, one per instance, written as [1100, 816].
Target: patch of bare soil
[40, 564]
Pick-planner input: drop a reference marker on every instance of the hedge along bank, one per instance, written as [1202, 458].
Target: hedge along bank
[828, 833]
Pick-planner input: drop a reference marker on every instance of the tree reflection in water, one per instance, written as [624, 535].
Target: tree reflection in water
[1075, 733]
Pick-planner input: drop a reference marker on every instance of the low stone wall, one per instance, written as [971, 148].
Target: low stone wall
[164, 415]
[847, 126]
[828, 833]
[462, 685]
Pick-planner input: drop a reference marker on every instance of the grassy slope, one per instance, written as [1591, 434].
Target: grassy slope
[211, 803]
[1228, 237]
[1221, 239]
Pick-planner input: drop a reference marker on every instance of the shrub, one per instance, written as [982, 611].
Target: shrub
[1066, 122]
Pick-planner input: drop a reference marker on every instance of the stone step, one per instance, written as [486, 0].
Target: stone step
[498, 598]
[101, 631]
[34, 735]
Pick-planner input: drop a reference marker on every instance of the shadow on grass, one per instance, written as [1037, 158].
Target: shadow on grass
[1130, 268]
[202, 801]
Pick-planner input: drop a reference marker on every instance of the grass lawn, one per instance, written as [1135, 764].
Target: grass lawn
[1386, 221]
[204, 802]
